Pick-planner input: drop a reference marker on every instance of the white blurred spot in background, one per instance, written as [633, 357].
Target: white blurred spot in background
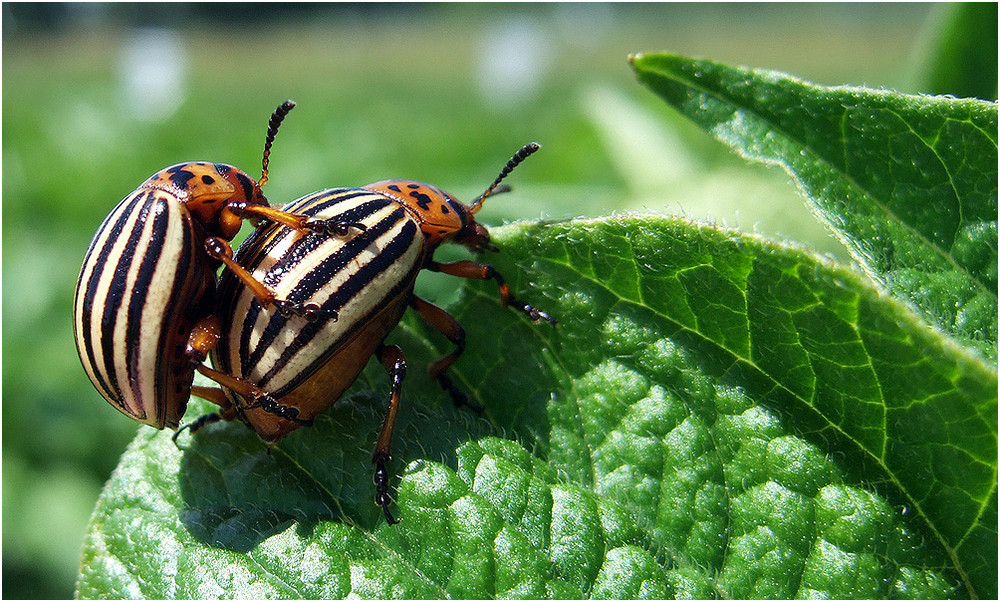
[514, 56]
[152, 73]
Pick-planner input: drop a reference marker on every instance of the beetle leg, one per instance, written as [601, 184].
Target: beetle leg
[259, 398]
[220, 250]
[444, 323]
[216, 396]
[481, 271]
[197, 425]
[309, 311]
[394, 361]
[272, 406]
[293, 221]
[203, 338]
[255, 213]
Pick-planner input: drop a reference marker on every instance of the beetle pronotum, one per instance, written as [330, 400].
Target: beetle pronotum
[143, 309]
[285, 370]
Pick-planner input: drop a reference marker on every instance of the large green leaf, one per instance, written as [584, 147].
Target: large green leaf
[715, 415]
[908, 182]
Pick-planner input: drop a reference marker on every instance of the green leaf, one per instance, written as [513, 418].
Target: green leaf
[963, 58]
[715, 415]
[909, 183]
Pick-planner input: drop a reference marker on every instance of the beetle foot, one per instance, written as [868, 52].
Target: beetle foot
[272, 406]
[196, 426]
[534, 313]
[309, 311]
[334, 226]
[382, 497]
[457, 396]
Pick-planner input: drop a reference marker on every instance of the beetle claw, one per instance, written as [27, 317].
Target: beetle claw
[272, 406]
[382, 492]
[196, 426]
[334, 226]
[537, 315]
[309, 311]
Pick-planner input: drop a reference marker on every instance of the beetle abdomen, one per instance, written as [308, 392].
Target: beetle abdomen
[353, 276]
[141, 266]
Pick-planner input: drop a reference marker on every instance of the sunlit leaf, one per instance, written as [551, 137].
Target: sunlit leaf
[909, 183]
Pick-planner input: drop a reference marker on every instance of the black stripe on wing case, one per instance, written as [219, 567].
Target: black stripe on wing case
[261, 242]
[136, 306]
[91, 294]
[354, 285]
[116, 292]
[317, 278]
[401, 286]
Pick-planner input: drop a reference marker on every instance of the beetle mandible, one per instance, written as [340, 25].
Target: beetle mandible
[282, 370]
[143, 312]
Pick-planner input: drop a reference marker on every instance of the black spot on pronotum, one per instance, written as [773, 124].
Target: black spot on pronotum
[422, 199]
[208, 179]
[246, 183]
[180, 178]
[459, 210]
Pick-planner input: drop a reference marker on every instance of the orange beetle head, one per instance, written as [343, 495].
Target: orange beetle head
[208, 190]
[441, 216]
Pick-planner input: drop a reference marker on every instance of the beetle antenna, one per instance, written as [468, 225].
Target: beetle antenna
[272, 131]
[495, 187]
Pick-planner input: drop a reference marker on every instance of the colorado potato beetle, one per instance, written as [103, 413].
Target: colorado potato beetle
[143, 312]
[284, 370]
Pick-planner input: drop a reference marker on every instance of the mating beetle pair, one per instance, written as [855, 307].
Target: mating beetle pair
[304, 304]
[144, 305]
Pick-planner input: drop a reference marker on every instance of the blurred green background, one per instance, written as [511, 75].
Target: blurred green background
[98, 97]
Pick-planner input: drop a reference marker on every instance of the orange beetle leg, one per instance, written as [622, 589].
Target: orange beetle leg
[259, 398]
[444, 323]
[481, 271]
[220, 250]
[296, 222]
[203, 338]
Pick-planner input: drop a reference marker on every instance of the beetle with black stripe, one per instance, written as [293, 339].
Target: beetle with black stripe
[143, 312]
[285, 370]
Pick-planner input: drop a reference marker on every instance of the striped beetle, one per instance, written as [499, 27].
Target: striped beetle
[286, 370]
[143, 312]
